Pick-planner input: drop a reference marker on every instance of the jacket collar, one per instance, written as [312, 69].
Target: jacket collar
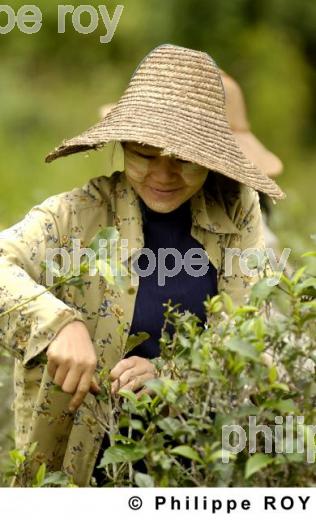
[127, 215]
[207, 215]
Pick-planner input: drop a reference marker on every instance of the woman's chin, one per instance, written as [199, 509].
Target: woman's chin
[163, 202]
[162, 206]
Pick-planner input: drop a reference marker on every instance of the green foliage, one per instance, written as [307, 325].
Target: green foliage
[256, 463]
[19, 471]
[253, 362]
[256, 361]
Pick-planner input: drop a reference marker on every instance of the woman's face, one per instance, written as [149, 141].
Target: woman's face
[162, 182]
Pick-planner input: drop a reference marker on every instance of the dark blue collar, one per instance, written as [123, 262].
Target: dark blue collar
[181, 214]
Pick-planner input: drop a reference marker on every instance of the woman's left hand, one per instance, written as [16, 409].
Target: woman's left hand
[131, 374]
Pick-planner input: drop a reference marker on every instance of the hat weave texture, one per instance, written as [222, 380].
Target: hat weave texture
[175, 101]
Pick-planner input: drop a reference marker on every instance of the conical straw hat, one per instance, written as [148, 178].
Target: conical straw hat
[267, 162]
[175, 101]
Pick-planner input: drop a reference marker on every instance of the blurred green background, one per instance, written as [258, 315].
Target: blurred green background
[52, 85]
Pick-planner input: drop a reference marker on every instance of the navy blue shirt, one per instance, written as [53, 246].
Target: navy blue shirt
[168, 230]
[164, 230]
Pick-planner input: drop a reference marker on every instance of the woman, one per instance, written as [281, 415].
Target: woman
[186, 184]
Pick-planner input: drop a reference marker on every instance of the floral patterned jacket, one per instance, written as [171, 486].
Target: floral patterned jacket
[230, 217]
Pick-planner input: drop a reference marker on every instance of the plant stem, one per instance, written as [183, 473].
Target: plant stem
[28, 300]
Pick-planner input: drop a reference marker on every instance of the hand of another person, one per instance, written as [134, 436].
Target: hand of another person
[131, 374]
[72, 362]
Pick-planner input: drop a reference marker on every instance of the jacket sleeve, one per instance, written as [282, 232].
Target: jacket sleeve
[249, 244]
[29, 331]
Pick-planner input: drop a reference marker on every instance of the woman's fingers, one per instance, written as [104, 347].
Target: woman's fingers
[131, 373]
[127, 376]
[81, 391]
[72, 360]
[122, 366]
[136, 383]
[51, 368]
[71, 381]
[94, 387]
[60, 375]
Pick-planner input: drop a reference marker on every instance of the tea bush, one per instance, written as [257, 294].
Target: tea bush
[246, 369]
[249, 365]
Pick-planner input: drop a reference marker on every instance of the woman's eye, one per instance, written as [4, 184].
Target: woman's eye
[182, 161]
[145, 156]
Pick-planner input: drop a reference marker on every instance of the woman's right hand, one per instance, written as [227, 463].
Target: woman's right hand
[72, 362]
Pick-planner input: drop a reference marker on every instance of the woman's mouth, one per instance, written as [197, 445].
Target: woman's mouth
[163, 192]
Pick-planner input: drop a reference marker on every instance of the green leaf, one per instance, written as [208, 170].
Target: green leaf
[136, 424]
[298, 275]
[109, 234]
[253, 262]
[40, 475]
[105, 271]
[129, 395]
[256, 463]
[56, 479]
[187, 452]
[290, 457]
[122, 453]
[282, 405]
[219, 454]
[124, 440]
[75, 281]
[228, 303]
[144, 480]
[246, 309]
[273, 374]
[262, 290]
[243, 348]
[280, 386]
[17, 457]
[259, 327]
[214, 304]
[217, 307]
[134, 340]
[310, 253]
[307, 287]
[170, 425]
[286, 280]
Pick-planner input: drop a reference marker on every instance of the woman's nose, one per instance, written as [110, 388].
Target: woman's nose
[163, 169]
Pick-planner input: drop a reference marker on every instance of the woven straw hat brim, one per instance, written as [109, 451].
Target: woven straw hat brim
[153, 134]
[175, 101]
[267, 162]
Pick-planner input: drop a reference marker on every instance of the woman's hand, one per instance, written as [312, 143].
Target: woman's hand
[72, 362]
[131, 374]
